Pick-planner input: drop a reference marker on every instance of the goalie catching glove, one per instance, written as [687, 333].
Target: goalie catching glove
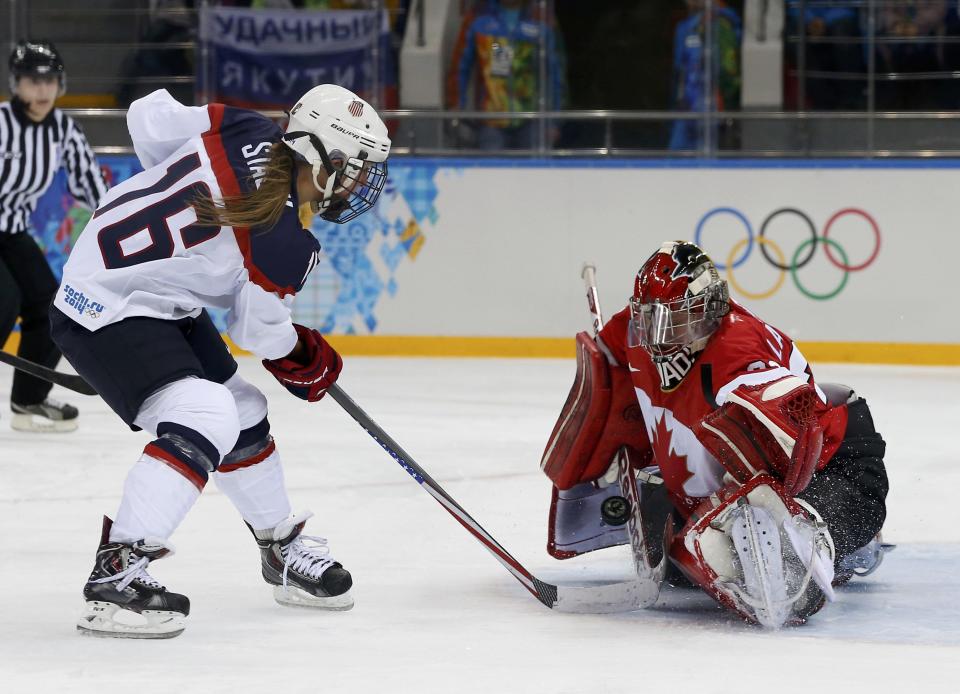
[771, 427]
[318, 371]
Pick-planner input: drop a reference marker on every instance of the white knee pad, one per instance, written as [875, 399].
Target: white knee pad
[251, 403]
[206, 407]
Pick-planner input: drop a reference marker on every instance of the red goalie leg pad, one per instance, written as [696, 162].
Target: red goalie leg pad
[688, 546]
[600, 415]
[772, 427]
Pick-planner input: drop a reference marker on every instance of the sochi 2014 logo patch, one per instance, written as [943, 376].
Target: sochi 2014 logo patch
[82, 303]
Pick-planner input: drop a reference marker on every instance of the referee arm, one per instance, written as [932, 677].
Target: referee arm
[84, 176]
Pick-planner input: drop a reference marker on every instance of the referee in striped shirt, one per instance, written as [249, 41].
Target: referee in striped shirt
[36, 139]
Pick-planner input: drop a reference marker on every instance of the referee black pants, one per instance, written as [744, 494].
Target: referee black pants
[27, 286]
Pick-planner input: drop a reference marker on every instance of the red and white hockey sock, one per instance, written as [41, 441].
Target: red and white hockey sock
[156, 499]
[257, 490]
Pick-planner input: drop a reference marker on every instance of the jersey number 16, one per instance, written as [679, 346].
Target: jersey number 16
[145, 234]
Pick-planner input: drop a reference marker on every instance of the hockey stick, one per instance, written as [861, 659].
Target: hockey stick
[616, 597]
[589, 275]
[70, 381]
[648, 577]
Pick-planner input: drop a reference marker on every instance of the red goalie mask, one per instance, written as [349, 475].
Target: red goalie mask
[678, 301]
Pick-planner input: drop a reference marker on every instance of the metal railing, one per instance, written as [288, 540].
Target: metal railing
[608, 119]
[429, 132]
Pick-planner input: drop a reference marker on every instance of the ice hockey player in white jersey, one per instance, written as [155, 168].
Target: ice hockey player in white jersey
[212, 222]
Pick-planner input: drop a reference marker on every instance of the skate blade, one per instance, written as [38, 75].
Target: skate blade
[29, 422]
[291, 596]
[106, 620]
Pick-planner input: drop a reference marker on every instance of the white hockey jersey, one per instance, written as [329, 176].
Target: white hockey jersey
[143, 254]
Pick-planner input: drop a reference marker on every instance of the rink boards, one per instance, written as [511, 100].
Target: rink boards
[482, 257]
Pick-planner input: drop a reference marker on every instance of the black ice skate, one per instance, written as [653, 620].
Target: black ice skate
[863, 561]
[49, 415]
[123, 600]
[300, 567]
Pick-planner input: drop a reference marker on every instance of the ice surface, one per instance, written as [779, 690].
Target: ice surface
[435, 612]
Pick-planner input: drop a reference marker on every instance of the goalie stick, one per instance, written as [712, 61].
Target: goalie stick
[70, 381]
[614, 597]
[648, 577]
[589, 275]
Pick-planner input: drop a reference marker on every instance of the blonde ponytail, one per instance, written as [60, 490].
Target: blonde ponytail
[262, 206]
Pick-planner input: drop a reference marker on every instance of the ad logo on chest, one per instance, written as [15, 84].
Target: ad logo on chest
[672, 372]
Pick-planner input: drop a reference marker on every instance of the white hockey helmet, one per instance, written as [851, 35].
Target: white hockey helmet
[333, 129]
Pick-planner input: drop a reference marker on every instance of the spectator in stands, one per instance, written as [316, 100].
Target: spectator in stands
[308, 4]
[689, 70]
[396, 8]
[951, 54]
[921, 25]
[499, 48]
[169, 21]
[835, 22]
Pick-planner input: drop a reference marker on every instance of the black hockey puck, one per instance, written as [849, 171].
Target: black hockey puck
[615, 510]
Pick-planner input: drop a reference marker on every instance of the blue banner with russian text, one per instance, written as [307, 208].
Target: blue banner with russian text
[269, 58]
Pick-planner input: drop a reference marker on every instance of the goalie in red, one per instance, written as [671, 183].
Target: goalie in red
[763, 487]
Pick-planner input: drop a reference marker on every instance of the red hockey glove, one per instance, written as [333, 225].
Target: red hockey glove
[309, 380]
[771, 427]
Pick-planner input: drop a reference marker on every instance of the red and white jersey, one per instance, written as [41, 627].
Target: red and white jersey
[675, 396]
[143, 253]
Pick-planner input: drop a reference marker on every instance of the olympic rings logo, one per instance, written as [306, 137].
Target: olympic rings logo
[741, 251]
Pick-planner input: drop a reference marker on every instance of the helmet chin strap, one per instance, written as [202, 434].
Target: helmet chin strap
[322, 164]
[317, 206]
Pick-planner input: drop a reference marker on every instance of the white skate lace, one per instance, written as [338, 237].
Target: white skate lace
[133, 572]
[307, 554]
